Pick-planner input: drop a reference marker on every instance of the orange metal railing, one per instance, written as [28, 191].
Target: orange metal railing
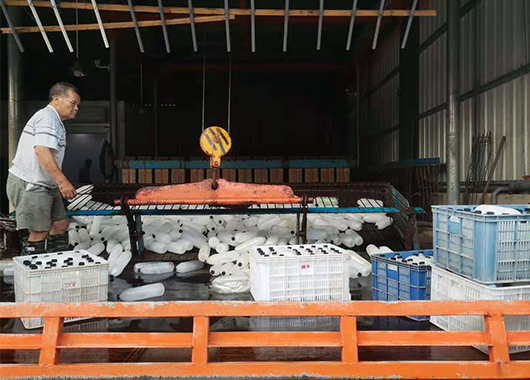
[348, 338]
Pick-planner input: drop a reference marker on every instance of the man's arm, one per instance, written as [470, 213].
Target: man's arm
[47, 161]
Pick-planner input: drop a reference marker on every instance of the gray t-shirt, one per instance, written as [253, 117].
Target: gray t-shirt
[45, 128]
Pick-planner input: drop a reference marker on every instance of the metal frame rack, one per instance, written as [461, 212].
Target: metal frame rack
[326, 199]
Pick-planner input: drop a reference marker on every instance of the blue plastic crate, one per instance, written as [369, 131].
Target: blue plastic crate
[485, 248]
[397, 281]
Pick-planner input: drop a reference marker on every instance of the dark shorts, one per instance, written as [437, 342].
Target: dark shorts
[36, 206]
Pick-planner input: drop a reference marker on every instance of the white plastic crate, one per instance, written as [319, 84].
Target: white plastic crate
[87, 282]
[311, 272]
[449, 286]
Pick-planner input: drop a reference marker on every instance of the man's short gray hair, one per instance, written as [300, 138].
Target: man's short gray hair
[62, 89]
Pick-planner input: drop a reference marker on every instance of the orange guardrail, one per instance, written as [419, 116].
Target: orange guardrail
[348, 338]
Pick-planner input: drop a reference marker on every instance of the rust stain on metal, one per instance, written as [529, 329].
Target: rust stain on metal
[226, 194]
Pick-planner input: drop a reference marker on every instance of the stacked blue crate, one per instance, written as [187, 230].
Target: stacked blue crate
[394, 280]
[487, 248]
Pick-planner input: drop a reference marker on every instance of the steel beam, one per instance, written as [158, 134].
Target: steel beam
[253, 24]
[164, 27]
[352, 22]
[378, 25]
[192, 25]
[60, 21]
[100, 23]
[227, 26]
[409, 24]
[286, 25]
[39, 23]
[320, 21]
[13, 30]
[136, 28]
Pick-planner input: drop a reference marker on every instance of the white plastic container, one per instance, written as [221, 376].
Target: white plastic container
[76, 283]
[300, 273]
[449, 286]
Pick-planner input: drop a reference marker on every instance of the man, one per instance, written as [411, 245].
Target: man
[36, 183]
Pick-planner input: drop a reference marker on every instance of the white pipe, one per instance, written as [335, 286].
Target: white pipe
[41, 28]
[100, 23]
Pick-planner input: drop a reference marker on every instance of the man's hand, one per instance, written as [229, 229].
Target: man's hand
[67, 189]
[47, 161]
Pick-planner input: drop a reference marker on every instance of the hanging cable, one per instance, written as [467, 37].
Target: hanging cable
[76, 32]
[203, 85]
[229, 89]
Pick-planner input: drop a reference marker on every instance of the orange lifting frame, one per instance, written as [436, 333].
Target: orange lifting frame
[349, 339]
[226, 193]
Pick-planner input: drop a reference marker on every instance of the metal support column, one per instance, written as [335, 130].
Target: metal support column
[113, 99]
[155, 115]
[453, 80]
[15, 95]
[409, 86]
[14, 82]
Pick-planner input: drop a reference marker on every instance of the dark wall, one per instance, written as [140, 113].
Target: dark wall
[272, 114]
[4, 206]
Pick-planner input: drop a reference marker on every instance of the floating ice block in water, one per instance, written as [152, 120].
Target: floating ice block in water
[73, 237]
[157, 247]
[190, 266]
[204, 252]
[83, 234]
[243, 260]
[266, 222]
[347, 240]
[166, 228]
[222, 258]
[222, 248]
[120, 264]
[196, 239]
[281, 231]
[216, 269]
[178, 247]
[358, 239]
[316, 234]
[242, 237]
[254, 242]
[359, 266]
[152, 226]
[237, 283]
[142, 292]
[9, 270]
[154, 267]
[383, 223]
[108, 232]
[162, 237]
[213, 242]
[96, 225]
[84, 245]
[272, 240]
[372, 250]
[227, 268]
[97, 249]
[497, 210]
[176, 234]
